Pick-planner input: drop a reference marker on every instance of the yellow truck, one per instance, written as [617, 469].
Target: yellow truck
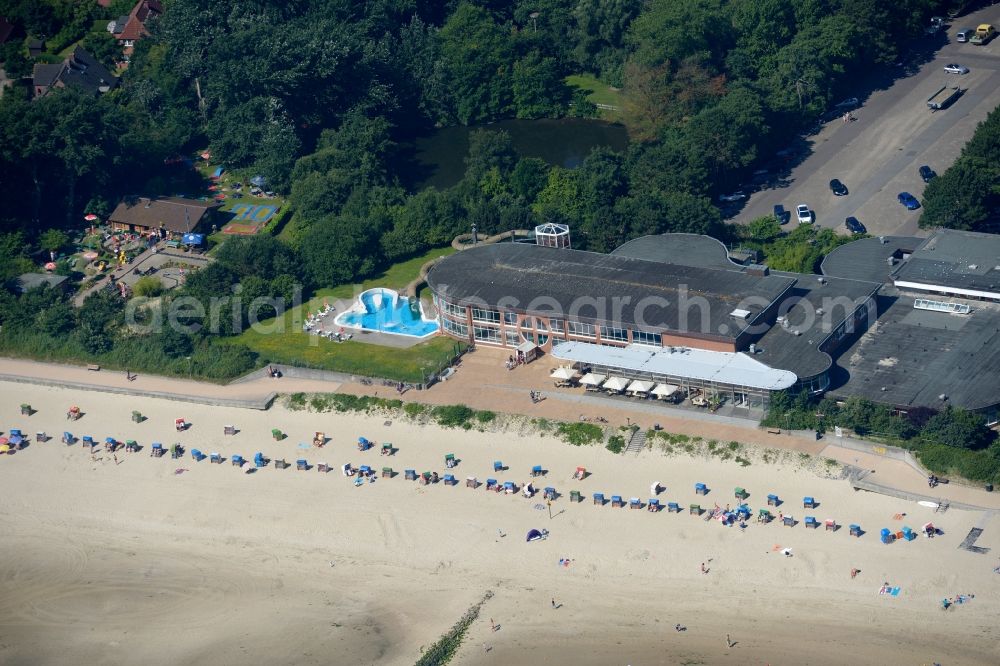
[984, 33]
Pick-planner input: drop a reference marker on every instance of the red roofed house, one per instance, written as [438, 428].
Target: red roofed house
[130, 29]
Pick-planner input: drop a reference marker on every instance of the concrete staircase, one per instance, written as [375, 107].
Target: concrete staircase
[637, 443]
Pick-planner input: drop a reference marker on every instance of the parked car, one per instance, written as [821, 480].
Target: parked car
[838, 188]
[964, 35]
[927, 173]
[854, 226]
[735, 196]
[955, 68]
[781, 214]
[908, 200]
[803, 214]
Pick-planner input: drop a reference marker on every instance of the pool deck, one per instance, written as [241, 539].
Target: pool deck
[386, 339]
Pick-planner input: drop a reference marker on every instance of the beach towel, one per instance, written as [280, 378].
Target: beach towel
[894, 592]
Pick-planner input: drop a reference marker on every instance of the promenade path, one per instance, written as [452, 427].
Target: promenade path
[482, 382]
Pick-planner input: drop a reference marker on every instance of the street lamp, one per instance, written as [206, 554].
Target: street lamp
[534, 21]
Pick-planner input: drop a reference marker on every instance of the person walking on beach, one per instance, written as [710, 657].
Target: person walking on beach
[729, 641]
[554, 603]
[704, 570]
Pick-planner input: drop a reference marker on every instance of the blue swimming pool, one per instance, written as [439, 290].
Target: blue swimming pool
[386, 311]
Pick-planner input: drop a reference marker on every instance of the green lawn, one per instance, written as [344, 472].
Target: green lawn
[599, 93]
[295, 347]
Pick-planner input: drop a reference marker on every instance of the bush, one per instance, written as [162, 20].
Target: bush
[579, 434]
[414, 409]
[616, 444]
[486, 416]
[453, 416]
[148, 286]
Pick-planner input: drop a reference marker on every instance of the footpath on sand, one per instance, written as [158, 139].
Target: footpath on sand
[482, 382]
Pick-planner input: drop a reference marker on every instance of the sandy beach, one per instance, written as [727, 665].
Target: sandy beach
[136, 562]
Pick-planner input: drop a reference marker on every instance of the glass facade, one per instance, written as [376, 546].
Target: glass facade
[614, 334]
[646, 338]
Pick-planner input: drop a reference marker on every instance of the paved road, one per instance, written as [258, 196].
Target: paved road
[878, 155]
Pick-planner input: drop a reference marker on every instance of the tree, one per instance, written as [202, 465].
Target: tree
[538, 88]
[148, 286]
[764, 228]
[528, 178]
[488, 149]
[958, 428]
[476, 53]
[53, 240]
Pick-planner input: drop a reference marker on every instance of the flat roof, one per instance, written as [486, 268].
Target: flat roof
[649, 295]
[957, 259]
[836, 298]
[661, 363]
[29, 281]
[918, 355]
[868, 258]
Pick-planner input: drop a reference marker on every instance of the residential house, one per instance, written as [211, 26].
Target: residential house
[164, 215]
[36, 47]
[80, 70]
[131, 28]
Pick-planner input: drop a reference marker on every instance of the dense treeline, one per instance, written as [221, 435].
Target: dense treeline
[952, 441]
[316, 95]
[967, 195]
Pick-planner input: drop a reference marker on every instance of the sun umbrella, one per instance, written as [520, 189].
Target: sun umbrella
[50, 266]
[90, 218]
[206, 155]
[90, 256]
[664, 389]
[639, 386]
[616, 384]
[563, 373]
[593, 380]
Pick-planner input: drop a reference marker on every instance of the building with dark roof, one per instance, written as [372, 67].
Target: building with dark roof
[174, 215]
[963, 264]
[29, 281]
[80, 71]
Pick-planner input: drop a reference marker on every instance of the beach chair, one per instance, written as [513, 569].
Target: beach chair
[131, 445]
[449, 480]
[386, 449]
[281, 463]
[909, 534]
[509, 487]
[886, 536]
[491, 484]
[772, 500]
[319, 439]
[277, 434]
[410, 474]
[110, 444]
[580, 474]
[634, 503]
[214, 457]
[40, 436]
[87, 440]
[549, 493]
[700, 489]
[157, 450]
[15, 432]
[424, 479]
[365, 470]
[176, 451]
[673, 507]
[363, 444]
[301, 463]
[196, 455]
[180, 425]
[694, 509]
[653, 505]
[812, 522]
[258, 460]
[26, 410]
[229, 430]
[497, 466]
[137, 416]
[471, 482]
[575, 496]
[617, 502]
[449, 460]
[829, 525]
[808, 503]
[236, 460]
[537, 471]
[855, 530]
[599, 498]
[68, 438]
[387, 472]
[764, 516]
[741, 494]
[788, 521]
[322, 467]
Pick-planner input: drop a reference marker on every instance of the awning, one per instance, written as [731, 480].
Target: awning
[616, 384]
[639, 386]
[563, 372]
[526, 347]
[664, 389]
[590, 379]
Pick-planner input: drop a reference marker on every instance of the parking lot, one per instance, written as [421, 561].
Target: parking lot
[878, 155]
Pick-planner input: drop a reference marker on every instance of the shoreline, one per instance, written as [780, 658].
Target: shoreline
[131, 562]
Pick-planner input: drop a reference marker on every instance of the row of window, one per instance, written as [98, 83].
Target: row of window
[575, 328]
